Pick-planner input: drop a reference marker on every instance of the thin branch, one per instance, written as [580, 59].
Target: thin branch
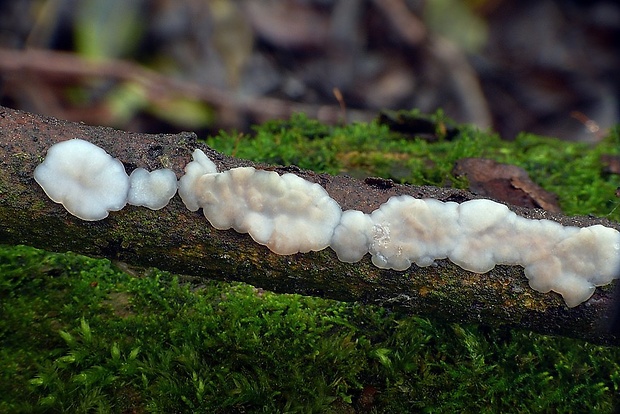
[181, 241]
[45, 64]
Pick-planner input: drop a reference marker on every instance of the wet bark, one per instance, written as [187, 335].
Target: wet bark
[183, 242]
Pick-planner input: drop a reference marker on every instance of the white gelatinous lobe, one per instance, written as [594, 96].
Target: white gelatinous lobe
[188, 189]
[409, 230]
[151, 189]
[285, 213]
[84, 178]
[352, 236]
[482, 225]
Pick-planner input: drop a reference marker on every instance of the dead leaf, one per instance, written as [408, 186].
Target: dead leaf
[505, 182]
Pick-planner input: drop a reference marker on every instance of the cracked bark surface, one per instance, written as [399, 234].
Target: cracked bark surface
[181, 241]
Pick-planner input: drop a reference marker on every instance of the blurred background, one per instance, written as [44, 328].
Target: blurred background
[542, 66]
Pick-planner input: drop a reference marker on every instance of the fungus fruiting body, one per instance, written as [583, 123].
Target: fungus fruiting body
[188, 183]
[352, 236]
[479, 234]
[283, 212]
[84, 178]
[408, 230]
[289, 214]
[151, 189]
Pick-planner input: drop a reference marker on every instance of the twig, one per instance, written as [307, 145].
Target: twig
[183, 242]
[62, 66]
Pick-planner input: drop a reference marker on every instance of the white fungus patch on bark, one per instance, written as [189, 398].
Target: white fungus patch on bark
[289, 215]
[283, 212]
[479, 234]
[151, 189]
[188, 187]
[84, 178]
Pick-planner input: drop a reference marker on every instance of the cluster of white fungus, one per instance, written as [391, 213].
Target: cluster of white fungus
[89, 183]
[283, 212]
[289, 214]
[151, 189]
[188, 189]
[477, 235]
[84, 178]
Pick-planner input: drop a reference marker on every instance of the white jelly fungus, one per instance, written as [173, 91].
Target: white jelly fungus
[352, 236]
[188, 190]
[289, 214]
[283, 212]
[477, 235]
[408, 230]
[84, 178]
[151, 189]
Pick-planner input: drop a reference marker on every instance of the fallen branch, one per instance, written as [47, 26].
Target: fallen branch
[26, 65]
[181, 241]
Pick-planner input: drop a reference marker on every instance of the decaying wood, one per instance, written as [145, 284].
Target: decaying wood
[181, 241]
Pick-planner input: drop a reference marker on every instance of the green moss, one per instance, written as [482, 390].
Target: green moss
[78, 335]
[100, 333]
[280, 142]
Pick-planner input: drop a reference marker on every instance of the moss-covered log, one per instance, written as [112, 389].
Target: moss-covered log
[181, 241]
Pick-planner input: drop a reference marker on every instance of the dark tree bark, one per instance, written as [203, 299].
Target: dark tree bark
[181, 241]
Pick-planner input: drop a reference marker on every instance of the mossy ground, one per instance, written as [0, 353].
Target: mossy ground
[80, 335]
